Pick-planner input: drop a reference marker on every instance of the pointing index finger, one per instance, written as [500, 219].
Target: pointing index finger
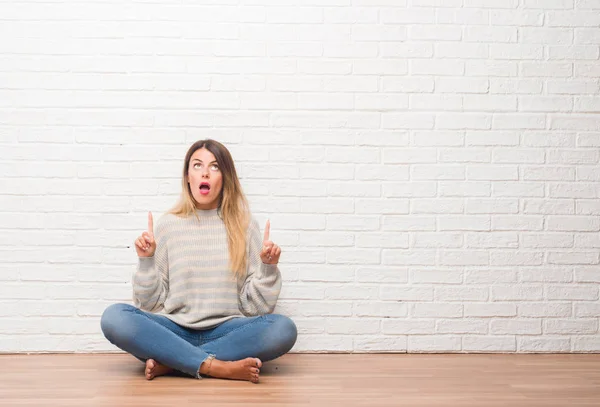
[150, 224]
[267, 230]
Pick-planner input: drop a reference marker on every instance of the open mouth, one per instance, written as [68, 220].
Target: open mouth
[204, 188]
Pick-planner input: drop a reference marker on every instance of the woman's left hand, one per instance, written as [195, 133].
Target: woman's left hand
[270, 251]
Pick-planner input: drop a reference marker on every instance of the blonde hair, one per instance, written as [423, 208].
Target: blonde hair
[233, 205]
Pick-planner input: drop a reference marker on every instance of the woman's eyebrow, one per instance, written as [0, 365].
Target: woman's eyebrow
[196, 159]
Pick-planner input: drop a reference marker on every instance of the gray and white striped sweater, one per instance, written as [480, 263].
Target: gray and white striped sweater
[189, 280]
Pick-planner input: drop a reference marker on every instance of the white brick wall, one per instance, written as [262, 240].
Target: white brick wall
[430, 167]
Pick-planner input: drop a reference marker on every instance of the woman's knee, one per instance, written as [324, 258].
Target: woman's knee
[113, 318]
[286, 331]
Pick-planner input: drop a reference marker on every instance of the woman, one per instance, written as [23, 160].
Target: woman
[206, 282]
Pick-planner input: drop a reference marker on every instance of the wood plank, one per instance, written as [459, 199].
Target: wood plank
[311, 379]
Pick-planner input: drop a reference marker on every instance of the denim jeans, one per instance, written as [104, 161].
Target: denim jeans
[151, 336]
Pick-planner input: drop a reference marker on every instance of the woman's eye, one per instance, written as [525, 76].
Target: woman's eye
[197, 165]
[214, 167]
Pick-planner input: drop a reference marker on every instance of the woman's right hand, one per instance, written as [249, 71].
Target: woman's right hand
[145, 244]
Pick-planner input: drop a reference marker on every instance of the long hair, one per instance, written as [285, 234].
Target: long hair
[233, 205]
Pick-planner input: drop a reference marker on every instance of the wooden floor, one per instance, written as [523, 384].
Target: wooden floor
[316, 380]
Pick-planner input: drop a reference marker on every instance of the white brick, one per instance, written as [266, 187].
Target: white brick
[587, 310]
[492, 240]
[516, 326]
[326, 205]
[541, 240]
[543, 344]
[466, 16]
[492, 138]
[579, 156]
[394, 293]
[436, 277]
[569, 326]
[522, 292]
[473, 222]
[490, 206]
[433, 172]
[587, 274]
[409, 190]
[587, 240]
[549, 206]
[492, 172]
[413, 257]
[404, 85]
[588, 207]
[458, 258]
[383, 240]
[380, 343]
[408, 223]
[354, 326]
[545, 310]
[462, 85]
[517, 18]
[353, 256]
[434, 33]
[491, 4]
[329, 273]
[579, 52]
[494, 68]
[326, 239]
[408, 50]
[312, 343]
[436, 310]
[431, 67]
[517, 222]
[437, 205]
[407, 326]
[462, 326]
[573, 190]
[516, 86]
[490, 103]
[486, 344]
[573, 292]
[407, 121]
[574, 223]
[347, 292]
[490, 34]
[436, 138]
[483, 276]
[436, 239]
[382, 207]
[382, 172]
[573, 258]
[571, 87]
[381, 275]
[350, 222]
[469, 188]
[380, 309]
[461, 293]
[488, 310]
[577, 18]
[465, 155]
[407, 16]
[547, 69]
[586, 344]
[434, 343]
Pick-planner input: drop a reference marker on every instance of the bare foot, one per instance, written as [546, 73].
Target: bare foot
[245, 369]
[155, 369]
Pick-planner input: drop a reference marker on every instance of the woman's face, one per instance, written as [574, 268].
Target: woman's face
[205, 179]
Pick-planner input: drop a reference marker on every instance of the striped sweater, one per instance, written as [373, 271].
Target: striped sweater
[189, 281]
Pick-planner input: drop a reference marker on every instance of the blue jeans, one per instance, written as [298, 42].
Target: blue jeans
[150, 336]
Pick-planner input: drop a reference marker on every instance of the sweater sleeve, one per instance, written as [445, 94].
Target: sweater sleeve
[151, 279]
[262, 285]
